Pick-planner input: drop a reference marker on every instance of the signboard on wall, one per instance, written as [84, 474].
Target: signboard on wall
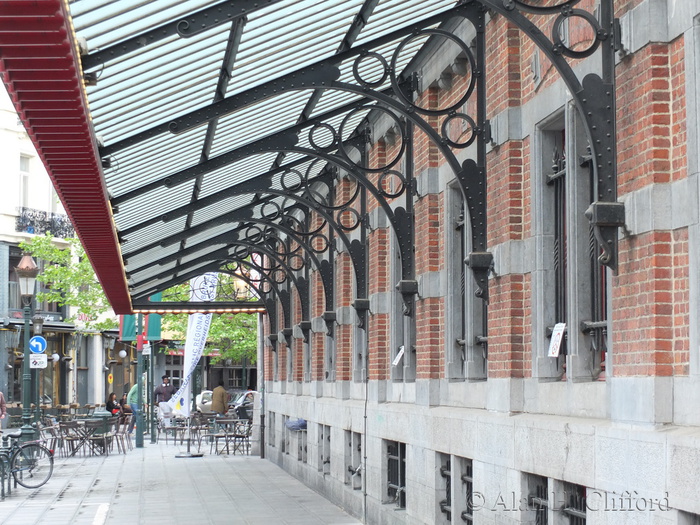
[38, 361]
[555, 342]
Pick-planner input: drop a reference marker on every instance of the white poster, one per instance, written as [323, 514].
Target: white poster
[555, 342]
[203, 289]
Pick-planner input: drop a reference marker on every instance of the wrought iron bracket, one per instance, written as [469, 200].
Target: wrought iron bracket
[305, 327]
[329, 318]
[606, 218]
[287, 335]
[273, 341]
[408, 290]
[361, 306]
[481, 264]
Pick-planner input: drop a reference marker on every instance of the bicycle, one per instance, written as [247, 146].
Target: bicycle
[30, 463]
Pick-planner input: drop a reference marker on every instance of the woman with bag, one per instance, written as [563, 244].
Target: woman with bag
[112, 406]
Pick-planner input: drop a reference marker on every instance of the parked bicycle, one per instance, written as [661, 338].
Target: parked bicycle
[30, 463]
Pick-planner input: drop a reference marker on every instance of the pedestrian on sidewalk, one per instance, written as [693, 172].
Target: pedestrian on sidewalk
[219, 399]
[163, 392]
[132, 398]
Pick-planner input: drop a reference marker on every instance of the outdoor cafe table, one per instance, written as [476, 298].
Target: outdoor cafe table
[85, 429]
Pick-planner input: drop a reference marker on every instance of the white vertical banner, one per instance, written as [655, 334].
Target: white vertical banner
[203, 288]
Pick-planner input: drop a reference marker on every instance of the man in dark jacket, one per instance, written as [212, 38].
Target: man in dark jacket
[164, 391]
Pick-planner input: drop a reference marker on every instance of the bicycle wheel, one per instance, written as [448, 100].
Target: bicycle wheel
[32, 465]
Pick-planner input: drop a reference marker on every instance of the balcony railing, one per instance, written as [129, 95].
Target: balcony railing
[39, 222]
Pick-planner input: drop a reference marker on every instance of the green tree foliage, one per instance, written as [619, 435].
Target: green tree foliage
[233, 335]
[69, 279]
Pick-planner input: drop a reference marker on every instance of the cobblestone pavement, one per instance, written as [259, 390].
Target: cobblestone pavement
[152, 485]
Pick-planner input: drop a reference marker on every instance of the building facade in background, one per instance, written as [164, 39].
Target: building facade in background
[86, 361]
[464, 411]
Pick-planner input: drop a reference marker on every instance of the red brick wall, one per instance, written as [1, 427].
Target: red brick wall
[651, 289]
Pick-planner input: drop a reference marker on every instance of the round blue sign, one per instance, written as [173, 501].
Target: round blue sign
[37, 345]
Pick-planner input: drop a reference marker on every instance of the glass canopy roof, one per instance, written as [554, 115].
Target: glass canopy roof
[193, 109]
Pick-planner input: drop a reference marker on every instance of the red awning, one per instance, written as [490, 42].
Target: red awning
[39, 64]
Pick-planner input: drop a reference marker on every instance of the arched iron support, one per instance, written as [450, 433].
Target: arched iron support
[300, 282]
[355, 248]
[595, 100]
[324, 75]
[324, 267]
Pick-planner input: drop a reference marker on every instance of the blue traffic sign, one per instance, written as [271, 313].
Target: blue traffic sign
[37, 344]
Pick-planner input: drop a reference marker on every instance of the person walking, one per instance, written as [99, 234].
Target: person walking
[219, 399]
[132, 398]
[3, 410]
[163, 392]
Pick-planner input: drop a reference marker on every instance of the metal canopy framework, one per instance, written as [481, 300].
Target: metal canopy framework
[192, 136]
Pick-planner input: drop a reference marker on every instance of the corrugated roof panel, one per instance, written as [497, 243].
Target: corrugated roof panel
[236, 173]
[221, 208]
[148, 257]
[143, 238]
[258, 120]
[295, 35]
[212, 233]
[391, 15]
[106, 23]
[145, 206]
[153, 160]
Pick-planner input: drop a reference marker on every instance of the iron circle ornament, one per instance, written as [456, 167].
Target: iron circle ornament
[270, 210]
[287, 180]
[254, 234]
[363, 58]
[471, 126]
[540, 9]
[323, 203]
[241, 252]
[319, 243]
[385, 180]
[295, 262]
[467, 53]
[348, 219]
[316, 141]
[348, 121]
[277, 275]
[564, 49]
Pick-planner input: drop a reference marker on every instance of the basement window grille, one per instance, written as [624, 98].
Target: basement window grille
[396, 473]
[468, 483]
[446, 503]
[537, 499]
[575, 504]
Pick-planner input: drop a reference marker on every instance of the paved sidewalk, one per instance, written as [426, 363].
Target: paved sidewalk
[151, 486]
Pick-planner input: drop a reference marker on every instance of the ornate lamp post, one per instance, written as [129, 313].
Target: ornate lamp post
[27, 271]
[37, 329]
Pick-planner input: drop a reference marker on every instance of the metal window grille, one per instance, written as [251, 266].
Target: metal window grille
[557, 179]
[446, 504]
[396, 472]
[468, 481]
[575, 504]
[463, 308]
[271, 429]
[537, 499]
[460, 226]
[354, 459]
[324, 446]
[686, 518]
[597, 326]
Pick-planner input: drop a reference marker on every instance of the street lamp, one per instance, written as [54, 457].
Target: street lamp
[37, 329]
[27, 271]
